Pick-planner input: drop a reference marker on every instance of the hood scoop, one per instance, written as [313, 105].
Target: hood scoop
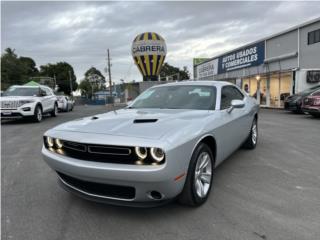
[145, 120]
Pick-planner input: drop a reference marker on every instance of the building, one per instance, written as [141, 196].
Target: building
[271, 68]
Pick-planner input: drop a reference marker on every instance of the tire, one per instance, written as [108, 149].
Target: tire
[316, 115]
[54, 112]
[37, 117]
[252, 139]
[198, 178]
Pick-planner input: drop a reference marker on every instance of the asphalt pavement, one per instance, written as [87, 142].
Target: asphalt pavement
[272, 192]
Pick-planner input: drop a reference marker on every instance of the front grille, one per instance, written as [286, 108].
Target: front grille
[101, 189]
[10, 104]
[99, 153]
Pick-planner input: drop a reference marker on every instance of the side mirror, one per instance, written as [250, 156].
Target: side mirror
[236, 104]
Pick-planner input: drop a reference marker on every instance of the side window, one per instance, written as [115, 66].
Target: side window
[229, 93]
[43, 91]
[48, 92]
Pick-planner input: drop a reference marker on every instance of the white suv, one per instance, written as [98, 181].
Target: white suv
[28, 101]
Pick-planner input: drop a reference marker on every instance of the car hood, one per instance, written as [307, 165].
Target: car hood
[142, 123]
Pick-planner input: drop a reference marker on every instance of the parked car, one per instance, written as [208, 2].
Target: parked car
[311, 104]
[65, 103]
[28, 102]
[294, 102]
[166, 144]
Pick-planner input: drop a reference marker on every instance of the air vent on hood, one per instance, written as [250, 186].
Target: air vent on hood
[144, 120]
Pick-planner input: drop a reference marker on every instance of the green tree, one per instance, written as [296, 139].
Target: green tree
[62, 71]
[174, 73]
[93, 70]
[87, 86]
[30, 66]
[14, 70]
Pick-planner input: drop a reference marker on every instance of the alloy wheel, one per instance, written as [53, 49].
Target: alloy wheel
[39, 115]
[203, 174]
[254, 133]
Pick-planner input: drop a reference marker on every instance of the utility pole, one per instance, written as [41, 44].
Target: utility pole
[70, 80]
[109, 71]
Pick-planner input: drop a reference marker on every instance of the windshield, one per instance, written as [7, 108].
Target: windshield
[22, 91]
[178, 97]
[309, 90]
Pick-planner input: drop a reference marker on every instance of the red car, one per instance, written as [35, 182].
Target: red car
[311, 104]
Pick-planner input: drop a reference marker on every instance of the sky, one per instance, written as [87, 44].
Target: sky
[81, 32]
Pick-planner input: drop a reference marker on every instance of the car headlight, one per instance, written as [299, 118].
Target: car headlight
[141, 152]
[49, 142]
[58, 143]
[23, 102]
[53, 143]
[157, 154]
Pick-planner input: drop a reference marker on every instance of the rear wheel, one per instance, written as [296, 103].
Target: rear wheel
[199, 178]
[252, 139]
[37, 117]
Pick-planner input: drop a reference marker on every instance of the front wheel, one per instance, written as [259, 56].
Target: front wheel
[37, 117]
[54, 112]
[252, 139]
[199, 178]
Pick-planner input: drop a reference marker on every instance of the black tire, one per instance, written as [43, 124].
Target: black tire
[54, 112]
[189, 195]
[316, 115]
[252, 139]
[37, 117]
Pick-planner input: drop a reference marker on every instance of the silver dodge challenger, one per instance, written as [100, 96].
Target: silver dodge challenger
[165, 145]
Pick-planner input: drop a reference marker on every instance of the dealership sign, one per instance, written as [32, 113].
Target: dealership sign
[250, 56]
[313, 76]
[207, 69]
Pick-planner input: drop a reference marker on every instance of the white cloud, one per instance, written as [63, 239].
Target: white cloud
[81, 32]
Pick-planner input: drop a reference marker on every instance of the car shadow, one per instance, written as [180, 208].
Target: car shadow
[20, 121]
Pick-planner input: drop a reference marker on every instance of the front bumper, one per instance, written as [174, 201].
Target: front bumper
[311, 109]
[26, 110]
[143, 179]
[291, 106]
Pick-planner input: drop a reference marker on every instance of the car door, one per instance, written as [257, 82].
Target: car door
[51, 98]
[235, 122]
[44, 99]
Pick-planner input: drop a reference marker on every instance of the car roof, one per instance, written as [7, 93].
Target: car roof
[197, 83]
[26, 86]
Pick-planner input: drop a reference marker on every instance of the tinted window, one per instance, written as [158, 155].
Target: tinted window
[314, 37]
[228, 94]
[178, 97]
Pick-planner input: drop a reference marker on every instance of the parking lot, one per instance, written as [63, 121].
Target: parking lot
[272, 192]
